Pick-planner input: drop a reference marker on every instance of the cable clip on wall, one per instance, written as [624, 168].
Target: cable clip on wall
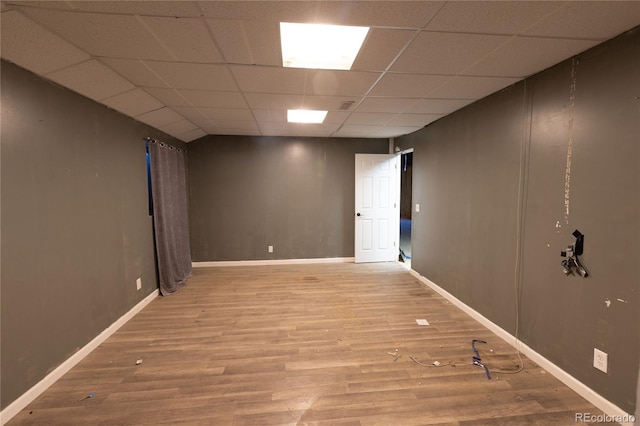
[571, 262]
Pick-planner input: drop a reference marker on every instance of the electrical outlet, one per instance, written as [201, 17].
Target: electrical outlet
[600, 360]
[270, 249]
[138, 283]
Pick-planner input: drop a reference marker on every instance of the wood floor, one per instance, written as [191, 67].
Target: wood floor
[326, 344]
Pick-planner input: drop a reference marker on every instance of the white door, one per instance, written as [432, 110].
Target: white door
[377, 208]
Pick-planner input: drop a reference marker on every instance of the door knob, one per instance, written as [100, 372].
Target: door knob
[357, 214]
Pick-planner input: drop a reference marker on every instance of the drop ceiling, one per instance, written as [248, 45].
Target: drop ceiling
[192, 68]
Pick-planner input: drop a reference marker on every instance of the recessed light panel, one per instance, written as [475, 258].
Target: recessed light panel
[305, 116]
[319, 46]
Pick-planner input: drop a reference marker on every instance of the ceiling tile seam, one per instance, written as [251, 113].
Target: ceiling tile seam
[158, 109]
[74, 9]
[47, 29]
[144, 64]
[552, 12]
[124, 93]
[382, 74]
[91, 57]
[75, 65]
[487, 55]
[226, 64]
[435, 15]
[175, 91]
[146, 26]
[511, 34]
[205, 117]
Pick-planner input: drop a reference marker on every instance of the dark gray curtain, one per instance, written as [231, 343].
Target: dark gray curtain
[170, 215]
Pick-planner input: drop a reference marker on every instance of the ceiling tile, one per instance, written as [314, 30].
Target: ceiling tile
[394, 105]
[219, 114]
[408, 14]
[263, 115]
[413, 14]
[160, 117]
[50, 4]
[214, 99]
[411, 120]
[337, 117]
[187, 39]
[195, 116]
[296, 129]
[523, 56]
[332, 82]
[194, 76]
[248, 42]
[354, 131]
[599, 20]
[392, 132]
[134, 102]
[408, 85]
[328, 103]
[32, 47]
[275, 11]
[168, 97]
[193, 135]
[490, 17]
[439, 106]
[91, 79]
[271, 101]
[238, 132]
[237, 124]
[357, 131]
[472, 87]
[135, 71]
[270, 114]
[144, 8]
[120, 36]
[445, 53]
[381, 47]
[260, 79]
[178, 127]
[370, 118]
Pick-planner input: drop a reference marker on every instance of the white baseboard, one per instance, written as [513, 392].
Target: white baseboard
[29, 396]
[273, 262]
[580, 388]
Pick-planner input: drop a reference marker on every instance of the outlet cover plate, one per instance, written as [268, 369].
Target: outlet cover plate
[600, 360]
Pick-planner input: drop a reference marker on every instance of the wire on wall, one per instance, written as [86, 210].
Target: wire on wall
[520, 217]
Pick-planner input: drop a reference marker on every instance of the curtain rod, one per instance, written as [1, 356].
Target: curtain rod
[148, 139]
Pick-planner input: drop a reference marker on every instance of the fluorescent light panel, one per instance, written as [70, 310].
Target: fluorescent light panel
[319, 46]
[305, 116]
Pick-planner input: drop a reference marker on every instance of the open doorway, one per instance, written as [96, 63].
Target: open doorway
[406, 181]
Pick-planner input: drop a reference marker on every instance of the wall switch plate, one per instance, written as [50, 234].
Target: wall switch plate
[417, 208]
[270, 249]
[600, 360]
[138, 283]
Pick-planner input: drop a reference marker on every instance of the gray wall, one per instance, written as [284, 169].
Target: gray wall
[76, 231]
[466, 178]
[296, 194]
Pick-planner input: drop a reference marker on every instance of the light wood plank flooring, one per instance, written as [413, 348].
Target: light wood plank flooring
[326, 344]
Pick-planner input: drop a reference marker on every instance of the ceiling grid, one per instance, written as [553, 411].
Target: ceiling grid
[192, 68]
